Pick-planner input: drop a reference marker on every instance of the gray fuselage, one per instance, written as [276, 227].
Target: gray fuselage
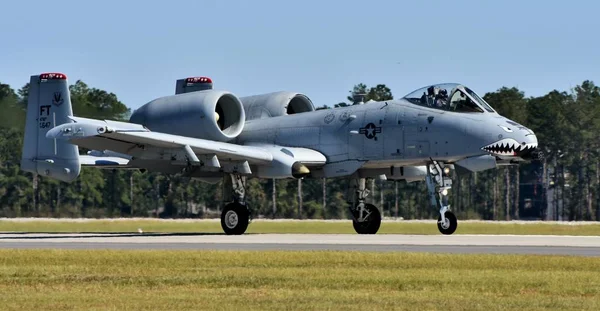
[382, 134]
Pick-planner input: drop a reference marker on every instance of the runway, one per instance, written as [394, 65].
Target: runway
[463, 244]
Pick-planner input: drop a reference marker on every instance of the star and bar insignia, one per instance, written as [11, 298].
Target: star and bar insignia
[370, 130]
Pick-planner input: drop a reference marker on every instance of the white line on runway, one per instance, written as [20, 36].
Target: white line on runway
[341, 239]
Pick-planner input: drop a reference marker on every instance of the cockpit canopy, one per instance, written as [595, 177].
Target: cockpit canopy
[449, 97]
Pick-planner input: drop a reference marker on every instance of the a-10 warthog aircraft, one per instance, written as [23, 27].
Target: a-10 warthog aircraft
[210, 134]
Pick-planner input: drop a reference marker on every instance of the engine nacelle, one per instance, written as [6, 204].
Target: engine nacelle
[214, 115]
[276, 104]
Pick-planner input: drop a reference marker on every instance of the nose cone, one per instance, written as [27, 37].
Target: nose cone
[511, 147]
[531, 150]
[515, 141]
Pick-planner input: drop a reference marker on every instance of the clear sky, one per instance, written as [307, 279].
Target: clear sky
[137, 49]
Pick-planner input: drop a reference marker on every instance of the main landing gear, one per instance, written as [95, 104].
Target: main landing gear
[366, 218]
[235, 216]
[438, 181]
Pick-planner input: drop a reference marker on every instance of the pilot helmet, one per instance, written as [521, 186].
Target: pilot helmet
[443, 93]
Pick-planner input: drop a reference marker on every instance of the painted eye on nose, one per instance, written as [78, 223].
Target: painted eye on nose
[507, 129]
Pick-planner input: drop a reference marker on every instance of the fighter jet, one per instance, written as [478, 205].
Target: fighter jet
[214, 135]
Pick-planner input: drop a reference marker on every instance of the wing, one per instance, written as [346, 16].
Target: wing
[147, 148]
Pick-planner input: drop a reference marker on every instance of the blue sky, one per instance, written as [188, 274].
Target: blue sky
[137, 49]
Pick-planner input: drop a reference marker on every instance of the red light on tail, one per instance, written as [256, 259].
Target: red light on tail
[53, 76]
[198, 80]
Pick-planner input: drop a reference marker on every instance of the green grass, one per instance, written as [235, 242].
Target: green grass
[308, 226]
[230, 280]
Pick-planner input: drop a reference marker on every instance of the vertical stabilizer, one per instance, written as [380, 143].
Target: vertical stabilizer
[49, 105]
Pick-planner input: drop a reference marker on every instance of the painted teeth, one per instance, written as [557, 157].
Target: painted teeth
[508, 147]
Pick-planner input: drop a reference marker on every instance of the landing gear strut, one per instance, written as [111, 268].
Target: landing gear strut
[438, 181]
[235, 216]
[366, 218]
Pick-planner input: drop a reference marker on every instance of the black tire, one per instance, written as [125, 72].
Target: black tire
[371, 224]
[235, 218]
[453, 223]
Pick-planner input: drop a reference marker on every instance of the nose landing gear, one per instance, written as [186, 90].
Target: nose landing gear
[449, 224]
[438, 181]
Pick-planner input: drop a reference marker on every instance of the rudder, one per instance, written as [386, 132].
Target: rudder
[49, 105]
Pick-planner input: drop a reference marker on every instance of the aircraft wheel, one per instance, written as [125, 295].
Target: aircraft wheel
[450, 225]
[235, 218]
[371, 224]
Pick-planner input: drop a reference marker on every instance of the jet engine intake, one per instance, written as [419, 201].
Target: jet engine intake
[276, 104]
[214, 115]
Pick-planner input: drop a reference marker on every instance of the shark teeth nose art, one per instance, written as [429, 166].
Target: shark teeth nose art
[509, 147]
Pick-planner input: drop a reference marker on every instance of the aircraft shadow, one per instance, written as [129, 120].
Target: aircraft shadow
[87, 235]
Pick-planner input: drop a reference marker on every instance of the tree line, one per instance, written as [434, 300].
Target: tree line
[564, 184]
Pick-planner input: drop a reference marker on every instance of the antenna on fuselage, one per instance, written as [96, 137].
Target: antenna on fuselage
[358, 98]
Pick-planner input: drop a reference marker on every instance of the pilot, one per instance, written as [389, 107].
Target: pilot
[441, 99]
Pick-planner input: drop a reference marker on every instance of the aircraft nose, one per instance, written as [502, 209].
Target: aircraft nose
[531, 152]
[518, 142]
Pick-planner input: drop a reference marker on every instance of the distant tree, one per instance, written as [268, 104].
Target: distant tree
[96, 103]
[509, 102]
[12, 115]
[360, 88]
[23, 93]
[378, 93]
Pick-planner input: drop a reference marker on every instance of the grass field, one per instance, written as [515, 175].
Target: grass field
[230, 280]
[294, 226]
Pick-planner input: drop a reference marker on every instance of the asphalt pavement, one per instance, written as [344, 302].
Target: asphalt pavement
[454, 244]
